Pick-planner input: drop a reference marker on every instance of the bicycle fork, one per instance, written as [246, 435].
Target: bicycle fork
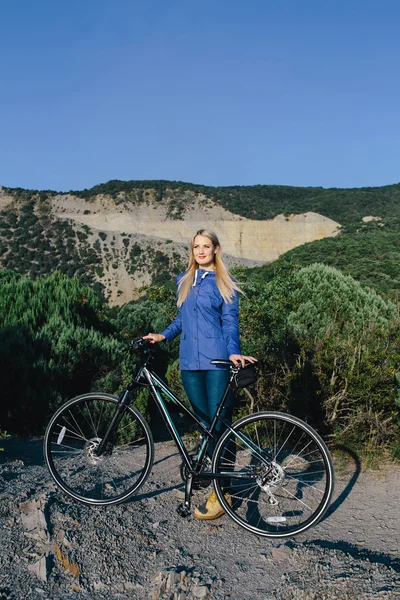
[119, 409]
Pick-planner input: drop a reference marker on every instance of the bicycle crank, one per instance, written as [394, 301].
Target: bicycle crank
[183, 510]
[198, 483]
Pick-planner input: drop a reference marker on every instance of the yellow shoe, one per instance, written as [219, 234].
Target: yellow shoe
[212, 509]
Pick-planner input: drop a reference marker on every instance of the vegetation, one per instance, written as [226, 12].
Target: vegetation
[330, 351]
[369, 252]
[54, 343]
[58, 339]
[328, 339]
[34, 243]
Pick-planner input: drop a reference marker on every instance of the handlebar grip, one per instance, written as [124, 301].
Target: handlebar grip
[138, 344]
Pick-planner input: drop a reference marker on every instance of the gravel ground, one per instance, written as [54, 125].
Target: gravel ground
[54, 547]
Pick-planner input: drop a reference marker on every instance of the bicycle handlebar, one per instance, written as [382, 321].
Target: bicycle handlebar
[138, 344]
[141, 344]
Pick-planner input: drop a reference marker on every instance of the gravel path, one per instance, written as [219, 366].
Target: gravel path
[54, 547]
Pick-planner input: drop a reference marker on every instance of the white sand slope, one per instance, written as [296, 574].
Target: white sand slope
[241, 238]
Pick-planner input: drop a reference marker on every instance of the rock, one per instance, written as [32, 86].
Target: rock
[200, 591]
[33, 520]
[172, 579]
[130, 585]
[98, 586]
[40, 568]
[370, 218]
[281, 552]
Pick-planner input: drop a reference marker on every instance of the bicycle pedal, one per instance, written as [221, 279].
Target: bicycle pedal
[183, 511]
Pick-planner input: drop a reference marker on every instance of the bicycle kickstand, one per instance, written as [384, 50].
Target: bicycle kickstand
[184, 509]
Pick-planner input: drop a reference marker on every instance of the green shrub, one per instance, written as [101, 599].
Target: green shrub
[329, 351]
[54, 342]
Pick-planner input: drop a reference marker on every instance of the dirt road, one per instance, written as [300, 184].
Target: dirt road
[53, 547]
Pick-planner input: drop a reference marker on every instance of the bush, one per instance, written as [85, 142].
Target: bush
[54, 342]
[330, 349]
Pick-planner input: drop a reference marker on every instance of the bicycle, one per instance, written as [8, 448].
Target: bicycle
[272, 472]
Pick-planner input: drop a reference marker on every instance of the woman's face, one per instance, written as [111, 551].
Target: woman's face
[204, 251]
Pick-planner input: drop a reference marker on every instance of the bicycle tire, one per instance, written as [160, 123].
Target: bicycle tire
[285, 498]
[72, 436]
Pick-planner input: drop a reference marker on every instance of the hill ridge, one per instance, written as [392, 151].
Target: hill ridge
[104, 237]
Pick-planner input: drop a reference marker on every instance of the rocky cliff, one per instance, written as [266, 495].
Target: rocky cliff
[132, 243]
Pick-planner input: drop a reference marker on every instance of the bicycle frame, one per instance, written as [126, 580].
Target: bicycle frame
[157, 385]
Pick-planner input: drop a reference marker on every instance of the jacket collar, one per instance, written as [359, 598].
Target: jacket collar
[201, 274]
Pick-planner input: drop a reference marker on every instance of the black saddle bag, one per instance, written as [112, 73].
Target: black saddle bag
[245, 377]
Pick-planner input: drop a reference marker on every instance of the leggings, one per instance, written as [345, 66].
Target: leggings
[204, 390]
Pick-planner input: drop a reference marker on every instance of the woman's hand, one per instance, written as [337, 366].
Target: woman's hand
[239, 358]
[154, 338]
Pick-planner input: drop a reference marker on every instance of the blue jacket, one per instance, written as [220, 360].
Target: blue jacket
[209, 326]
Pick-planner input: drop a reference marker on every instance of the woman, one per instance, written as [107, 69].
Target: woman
[208, 311]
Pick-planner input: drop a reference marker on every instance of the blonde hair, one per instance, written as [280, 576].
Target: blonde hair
[226, 285]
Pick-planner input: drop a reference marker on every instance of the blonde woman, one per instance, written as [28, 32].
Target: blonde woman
[208, 311]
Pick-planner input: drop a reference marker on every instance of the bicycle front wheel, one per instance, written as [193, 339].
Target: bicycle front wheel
[72, 438]
[279, 474]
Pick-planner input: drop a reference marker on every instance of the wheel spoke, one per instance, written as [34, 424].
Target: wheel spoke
[283, 494]
[79, 433]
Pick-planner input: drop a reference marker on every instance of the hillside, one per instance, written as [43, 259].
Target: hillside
[133, 238]
[265, 201]
[123, 235]
[369, 252]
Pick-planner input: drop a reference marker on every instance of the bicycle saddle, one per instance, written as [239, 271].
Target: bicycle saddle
[221, 361]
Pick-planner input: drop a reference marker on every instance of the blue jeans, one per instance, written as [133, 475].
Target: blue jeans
[204, 390]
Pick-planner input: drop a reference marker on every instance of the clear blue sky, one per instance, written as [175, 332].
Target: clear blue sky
[217, 92]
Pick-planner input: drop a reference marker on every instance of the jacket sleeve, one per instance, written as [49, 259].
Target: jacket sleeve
[230, 325]
[175, 327]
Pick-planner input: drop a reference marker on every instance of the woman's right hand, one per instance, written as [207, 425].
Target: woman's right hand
[154, 338]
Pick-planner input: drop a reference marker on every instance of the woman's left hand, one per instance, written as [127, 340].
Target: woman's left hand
[239, 358]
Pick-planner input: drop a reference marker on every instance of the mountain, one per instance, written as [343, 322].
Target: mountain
[368, 251]
[123, 235]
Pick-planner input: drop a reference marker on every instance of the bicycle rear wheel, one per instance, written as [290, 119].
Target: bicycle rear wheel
[279, 474]
[72, 438]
